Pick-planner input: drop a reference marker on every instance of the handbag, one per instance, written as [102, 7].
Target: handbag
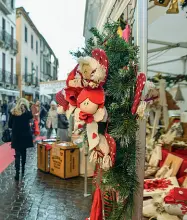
[7, 136]
[3, 117]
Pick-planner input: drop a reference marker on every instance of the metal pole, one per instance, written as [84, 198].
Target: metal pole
[141, 40]
[86, 170]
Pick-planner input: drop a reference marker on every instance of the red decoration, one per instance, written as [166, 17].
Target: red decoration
[112, 144]
[88, 118]
[101, 57]
[94, 135]
[80, 126]
[127, 33]
[61, 100]
[181, 180]
[96, 210]
[48, 147]
[71, 95]
[96, 96]
[177, 196]
[140, 83]
[152, 185]
[72, 75]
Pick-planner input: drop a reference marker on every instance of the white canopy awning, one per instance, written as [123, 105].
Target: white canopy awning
[9, 92]
[167, 44]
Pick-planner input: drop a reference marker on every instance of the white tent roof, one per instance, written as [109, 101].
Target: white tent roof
[167, 33]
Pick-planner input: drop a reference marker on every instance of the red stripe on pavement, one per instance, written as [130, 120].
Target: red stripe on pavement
[6, 156]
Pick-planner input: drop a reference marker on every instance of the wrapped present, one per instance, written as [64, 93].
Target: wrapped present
[175, 202]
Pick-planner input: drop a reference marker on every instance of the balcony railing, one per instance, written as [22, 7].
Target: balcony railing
[8, 78]
[8, 42]
[31, 80]
[5, 6]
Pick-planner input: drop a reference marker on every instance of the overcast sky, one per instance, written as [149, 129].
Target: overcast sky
[61, 23]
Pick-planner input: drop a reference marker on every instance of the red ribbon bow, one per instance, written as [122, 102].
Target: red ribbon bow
[88, 118]
[151, 185]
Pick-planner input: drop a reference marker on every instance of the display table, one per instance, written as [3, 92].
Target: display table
[179, 153]
[152, 193]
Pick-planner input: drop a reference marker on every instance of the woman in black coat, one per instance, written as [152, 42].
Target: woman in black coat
[19, 122]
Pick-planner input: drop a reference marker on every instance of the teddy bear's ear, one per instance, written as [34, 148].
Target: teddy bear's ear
[99, 115]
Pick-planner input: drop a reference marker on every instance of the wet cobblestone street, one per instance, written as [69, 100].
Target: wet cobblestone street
[40, 196]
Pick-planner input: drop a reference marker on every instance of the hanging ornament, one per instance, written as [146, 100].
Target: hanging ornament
[120, 31]
[173, 8]
[179, 97]
[127, 33]
[163, 3]
[183, 3]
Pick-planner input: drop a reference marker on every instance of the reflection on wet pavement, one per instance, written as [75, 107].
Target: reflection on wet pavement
[40, 196]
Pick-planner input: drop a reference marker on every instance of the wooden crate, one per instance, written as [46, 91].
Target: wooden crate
[64, 161]
[43, 160]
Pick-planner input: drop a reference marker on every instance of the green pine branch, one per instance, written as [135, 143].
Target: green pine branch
[120, 91]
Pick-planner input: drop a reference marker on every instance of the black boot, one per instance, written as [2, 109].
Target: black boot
[17, 176]
[17, 165]
[23, 161]
[23, 170]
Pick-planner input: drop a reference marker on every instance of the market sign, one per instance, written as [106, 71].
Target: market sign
[52, 87]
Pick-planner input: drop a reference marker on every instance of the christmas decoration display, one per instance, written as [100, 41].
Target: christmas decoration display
[175, 201]
[163, 3]
[151, 185]
[127, 33]
[179, 97]
[170, 80]
[173, 8]
[183, 3]
[154, 209]
[119, 89]
[141, 79]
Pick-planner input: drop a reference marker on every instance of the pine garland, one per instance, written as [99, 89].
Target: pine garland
[119, 88]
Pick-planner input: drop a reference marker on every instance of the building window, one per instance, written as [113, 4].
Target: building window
[54, 73]
[4, 66]
[36, 47]
[12, 70]
[3, 29]
[12, 4]
[37, 77]
[26, 68]
[26, 34]
[32, 42]
[12, 37]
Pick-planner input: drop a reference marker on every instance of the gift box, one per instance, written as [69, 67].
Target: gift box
[43, 156]
[64, 160]
[176, 201]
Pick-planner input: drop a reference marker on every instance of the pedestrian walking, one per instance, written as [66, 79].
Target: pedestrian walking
[63, 124]
[11, 105]
[35, 108]
[4, 119]
[43, 115]
[5, 111]
[19, 122]
[52, 119]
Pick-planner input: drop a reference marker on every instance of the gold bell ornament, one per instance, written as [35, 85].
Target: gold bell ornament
[173, 8]
[120, 31]
[163, 3]
[179, 97]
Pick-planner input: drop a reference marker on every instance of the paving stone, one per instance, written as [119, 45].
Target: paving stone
[41, 196]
